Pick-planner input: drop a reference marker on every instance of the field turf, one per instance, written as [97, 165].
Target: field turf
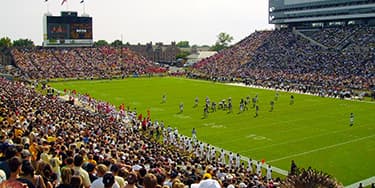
[314, 131]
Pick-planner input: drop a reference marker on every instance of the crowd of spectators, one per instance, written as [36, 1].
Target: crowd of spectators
[227, 61]
[47, 142]
[286, 60]
[362, 40]
[101, 62]
[332, 37]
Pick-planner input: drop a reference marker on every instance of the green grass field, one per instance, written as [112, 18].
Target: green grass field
[314, 131]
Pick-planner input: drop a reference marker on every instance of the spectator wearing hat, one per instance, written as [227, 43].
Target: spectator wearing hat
[26, 155]
[101, 171]
[209, 183]
[108, 180]
[132, 180]
[3, 176]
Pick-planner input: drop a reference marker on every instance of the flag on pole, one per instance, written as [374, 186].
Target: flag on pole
[82, 1]
[63, 2]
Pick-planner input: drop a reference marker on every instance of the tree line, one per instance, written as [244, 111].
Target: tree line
[222, 42]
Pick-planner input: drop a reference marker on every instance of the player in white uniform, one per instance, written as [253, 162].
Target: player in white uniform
[213, 153]
[222, 156]
[194, 134]
[238, 160]
[250, 165]
[181, 107]
[230, 159]
[259, 168]
[269, 172]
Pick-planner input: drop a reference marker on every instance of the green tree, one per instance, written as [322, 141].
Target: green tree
[182, 55]
[23, 43]
[5, 42]
[217, 47]
[222, 42]
[224, 39]
[183, 44]
[117, 43]
[100, 43]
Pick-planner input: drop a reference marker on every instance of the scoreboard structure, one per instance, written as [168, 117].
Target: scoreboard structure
[69, 29]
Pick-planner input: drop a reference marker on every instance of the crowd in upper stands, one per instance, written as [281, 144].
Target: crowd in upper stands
[229, 60]
[103, 62]
[61, 145]
[283, 59]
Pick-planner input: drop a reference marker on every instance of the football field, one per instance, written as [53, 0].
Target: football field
[314, 131]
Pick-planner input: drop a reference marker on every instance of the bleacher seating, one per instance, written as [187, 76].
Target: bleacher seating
[285, 60]
[39, 63]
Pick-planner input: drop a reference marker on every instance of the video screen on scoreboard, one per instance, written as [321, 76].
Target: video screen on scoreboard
[69, 27]
[58, 31]
[81, 31]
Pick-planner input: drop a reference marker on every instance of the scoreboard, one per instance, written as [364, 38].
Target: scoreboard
[68, 30]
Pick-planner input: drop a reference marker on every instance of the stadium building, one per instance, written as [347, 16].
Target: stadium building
[305, 14]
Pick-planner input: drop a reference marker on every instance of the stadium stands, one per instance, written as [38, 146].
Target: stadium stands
[283, 59]
[227, 61]
[104, 62]
[43, 126]
[38, 125]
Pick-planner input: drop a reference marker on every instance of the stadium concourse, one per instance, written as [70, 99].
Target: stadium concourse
[50, 132]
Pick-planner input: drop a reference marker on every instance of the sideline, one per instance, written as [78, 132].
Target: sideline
[291, 91]
[274, 169]
[365, 183]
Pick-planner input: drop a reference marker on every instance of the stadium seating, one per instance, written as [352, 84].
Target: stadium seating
[100, 133]
[106, 136]
[229, 60]
[283, 59]
[39, 63]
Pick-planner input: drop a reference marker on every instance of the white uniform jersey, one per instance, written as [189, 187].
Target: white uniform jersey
[222, 157]
[269, 173]
[259, 168]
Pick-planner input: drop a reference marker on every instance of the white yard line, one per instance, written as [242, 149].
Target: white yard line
[298, 140]
[322, 148]
[365, 183]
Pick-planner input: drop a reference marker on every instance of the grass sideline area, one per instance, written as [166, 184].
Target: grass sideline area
[314, 131]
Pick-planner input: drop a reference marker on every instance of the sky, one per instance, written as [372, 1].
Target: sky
[142, 21]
